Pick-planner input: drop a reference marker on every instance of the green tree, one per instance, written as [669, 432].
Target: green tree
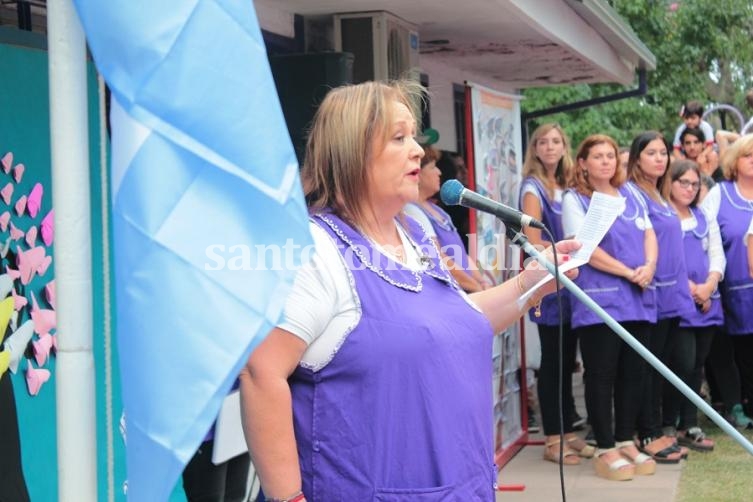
[704, 51]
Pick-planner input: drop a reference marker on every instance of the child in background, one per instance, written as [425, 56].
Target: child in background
[691, 113]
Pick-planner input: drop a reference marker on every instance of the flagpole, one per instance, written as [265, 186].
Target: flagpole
[74, 381]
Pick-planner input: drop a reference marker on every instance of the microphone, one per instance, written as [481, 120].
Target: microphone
[453, 193]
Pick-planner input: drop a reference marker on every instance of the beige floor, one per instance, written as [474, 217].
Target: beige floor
[542, 481]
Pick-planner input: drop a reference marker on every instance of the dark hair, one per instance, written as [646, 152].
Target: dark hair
[693, 131]
[749, 97]
[680, 167]
[635, 173]
[431, 154]
[692, 108]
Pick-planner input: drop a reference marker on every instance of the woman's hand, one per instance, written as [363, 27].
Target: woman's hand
[534, 271]
[643, 275]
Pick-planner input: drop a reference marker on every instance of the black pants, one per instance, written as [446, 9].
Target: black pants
[615, 372]
[205, 482]
[661, 336]
[12, 483]
[687, 356]
[722, 372]
[549, 378]
[743, 345]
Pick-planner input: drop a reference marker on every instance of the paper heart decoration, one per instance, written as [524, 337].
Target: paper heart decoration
[19, 301]
[29, 262]
[42, 348]
[35, 378]
[4, 220]
[49, 293]
[17, 342]
[21, 205]
[48, 228]
[34, 204]
[44, 319]
[6, 193]
[7, 162]
[31, 236]
[15, 233]
[18, 172]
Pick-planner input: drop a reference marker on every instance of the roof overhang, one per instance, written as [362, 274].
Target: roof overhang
[521, 43]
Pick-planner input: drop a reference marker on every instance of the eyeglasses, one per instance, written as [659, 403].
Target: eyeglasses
[695, 185]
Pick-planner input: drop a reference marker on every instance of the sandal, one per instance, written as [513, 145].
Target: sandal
[569, 456]
[618, 469]
[661, 449]
[695, 439]
[644, 465]
[583, 449]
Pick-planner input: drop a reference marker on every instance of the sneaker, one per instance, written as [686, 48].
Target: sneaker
[738, 418]
[533, 424]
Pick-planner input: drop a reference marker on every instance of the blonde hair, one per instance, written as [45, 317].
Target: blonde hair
[350, 125]
[533, 166]
[580, 178]
[741, 147]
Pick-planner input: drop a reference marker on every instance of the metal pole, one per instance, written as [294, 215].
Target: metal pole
[69, 130]
[520, 239]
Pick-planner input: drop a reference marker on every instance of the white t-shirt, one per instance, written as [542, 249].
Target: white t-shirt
[323, 308]
[704, 126]
[528, 187]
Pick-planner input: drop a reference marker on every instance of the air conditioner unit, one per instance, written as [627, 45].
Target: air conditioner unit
[385, 47]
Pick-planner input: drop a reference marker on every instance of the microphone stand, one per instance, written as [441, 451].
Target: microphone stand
[518, 237]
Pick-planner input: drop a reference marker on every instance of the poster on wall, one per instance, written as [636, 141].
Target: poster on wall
[497, 166]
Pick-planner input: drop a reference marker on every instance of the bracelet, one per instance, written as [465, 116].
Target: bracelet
[535, 304]
[519, 282]
[296, 497]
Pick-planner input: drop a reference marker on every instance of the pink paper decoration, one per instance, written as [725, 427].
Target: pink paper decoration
[19, 301]
[29, 262]
[31, 236]
[47, 228]
[42, 348]
[21, 205]
[7, 161]
[34, 203]
[4, 220]
[45, 320]
[7, 192]
[18, 172]
[49, 293]
[15, 233]
[35, 378]
[42, 268]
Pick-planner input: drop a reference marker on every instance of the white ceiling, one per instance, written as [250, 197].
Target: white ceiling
[522, 43]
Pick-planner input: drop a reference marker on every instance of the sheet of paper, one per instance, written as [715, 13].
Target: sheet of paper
[600, 216]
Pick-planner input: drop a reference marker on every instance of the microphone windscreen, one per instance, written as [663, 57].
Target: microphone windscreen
[450, 192]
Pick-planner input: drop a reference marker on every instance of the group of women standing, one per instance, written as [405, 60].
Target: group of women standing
[658, 272]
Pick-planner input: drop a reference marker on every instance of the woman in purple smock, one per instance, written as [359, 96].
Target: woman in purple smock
[377, 383]
[617, 278]
[647, 170]
[438, 225]
[547, 171]
[731, 203]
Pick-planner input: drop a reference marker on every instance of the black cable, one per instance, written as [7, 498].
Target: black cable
[560, 387]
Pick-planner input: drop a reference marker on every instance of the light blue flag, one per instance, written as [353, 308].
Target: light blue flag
[208, 214]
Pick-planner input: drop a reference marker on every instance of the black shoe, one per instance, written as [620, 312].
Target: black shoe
[590, 439]
[579, 423]
[533, 425]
